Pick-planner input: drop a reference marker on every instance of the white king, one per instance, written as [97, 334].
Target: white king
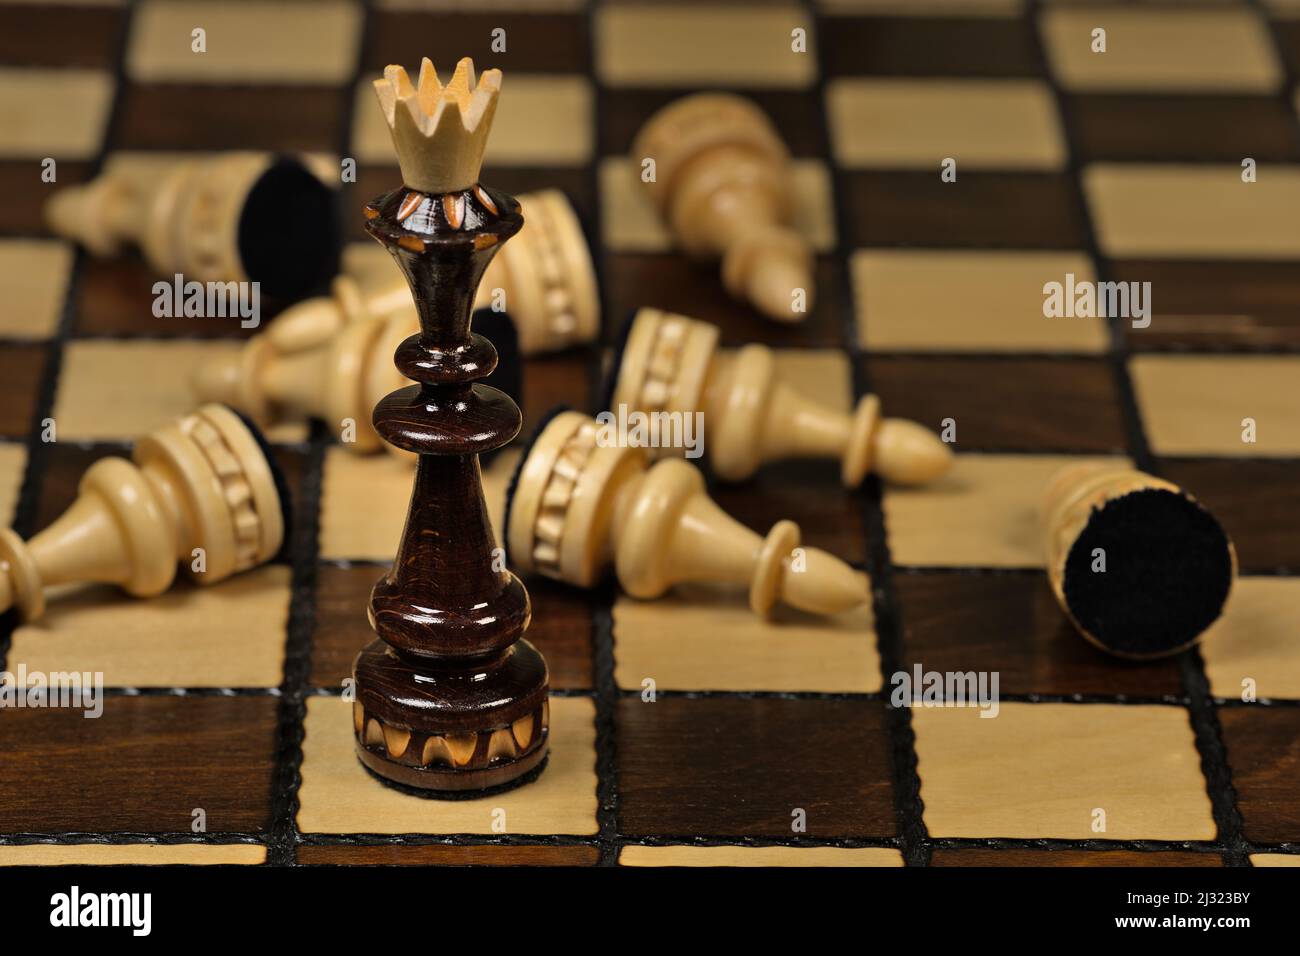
[439, 131]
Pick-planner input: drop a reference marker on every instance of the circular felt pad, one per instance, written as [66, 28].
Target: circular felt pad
[1168, 569]
[288, 232]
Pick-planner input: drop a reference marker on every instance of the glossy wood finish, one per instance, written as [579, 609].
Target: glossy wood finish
[1257, 502]
[742, 767]
[35, 34]
[145, 765]
[21, 369]
[1009, 404]
[1011, 623]
[926, 46]
[176, 116]
[991, 210]
[554, 42]
[561, 627]
[671, 281]
[1264, 755]
[737, 761]
[448, 698]
[1129, 128]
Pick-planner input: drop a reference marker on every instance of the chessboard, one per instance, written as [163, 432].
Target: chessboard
[686, 731]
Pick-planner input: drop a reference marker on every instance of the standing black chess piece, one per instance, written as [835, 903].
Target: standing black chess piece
[449, 697]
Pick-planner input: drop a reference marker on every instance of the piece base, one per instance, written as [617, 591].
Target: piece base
[454, 784]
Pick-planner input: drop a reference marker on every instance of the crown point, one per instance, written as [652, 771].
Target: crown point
[442, 133]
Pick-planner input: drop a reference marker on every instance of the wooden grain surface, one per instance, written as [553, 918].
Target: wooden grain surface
[753, 763]
[944, 260]
[146, 765]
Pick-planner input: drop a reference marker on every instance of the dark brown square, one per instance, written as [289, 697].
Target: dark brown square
[1135, 128]
[1020, 210]
[550, 380]
[64, 467]
[1264, 756]
[440, 854]
[1005, 404]
[671, 282]
[60, 35]
[116, 297]
[23, 209]
[145, 765]
[927, 46]
[22, 367]
[730, 766]
[1256, 501]
[535, 42]
[561, 626]
[1012, 624]
[1215, 305]
[624, 112]
[1288, 38]
[205, 117]
[807, 492]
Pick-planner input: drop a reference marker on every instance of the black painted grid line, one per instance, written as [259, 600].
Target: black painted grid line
[304, 552]
[908, 807]
[1204, 721]
[913, 841]
[606, 689]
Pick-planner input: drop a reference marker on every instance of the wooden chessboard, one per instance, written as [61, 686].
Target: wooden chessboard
[1124, 166]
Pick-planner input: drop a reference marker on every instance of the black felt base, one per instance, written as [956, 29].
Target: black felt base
[289, 238]
[1168, 571]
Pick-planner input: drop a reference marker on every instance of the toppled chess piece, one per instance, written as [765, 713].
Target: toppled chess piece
[579, 503]
[1141, 568]
[449, 697]
[332, 359]
[722, 184]
[672, 364]
[544, 280]
[203, 481]
[231, 217]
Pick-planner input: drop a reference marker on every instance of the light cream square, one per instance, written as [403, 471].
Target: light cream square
[231, 634]
[917, 124]
[1199, 404]
[1169, 211]
[248, 42]
[1161, 49]
[985, 512]
[631, 223]
[1043, 771]
[117, 390]
[955, 301]
[1253, 646]
[34, 276]
[133, 854]
[56, 113]
[338, 796]
[696, 46]
[698, 639]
